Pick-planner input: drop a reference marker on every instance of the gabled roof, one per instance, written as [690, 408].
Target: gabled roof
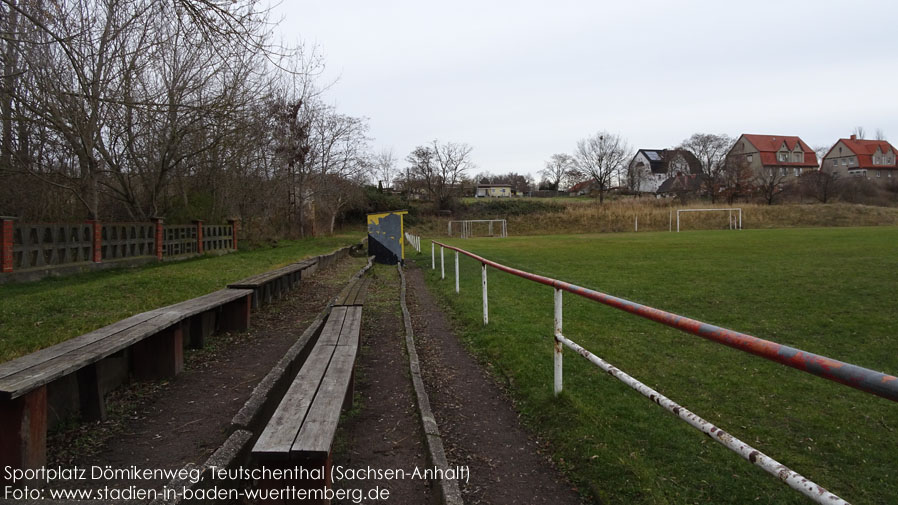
[687, 183]
[579, 186]
[769, 145]
[865, 149]
[659, 159]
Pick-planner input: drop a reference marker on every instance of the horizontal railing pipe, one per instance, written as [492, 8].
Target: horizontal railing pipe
[864, 379]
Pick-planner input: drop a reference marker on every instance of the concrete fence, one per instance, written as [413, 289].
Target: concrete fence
[30, 251]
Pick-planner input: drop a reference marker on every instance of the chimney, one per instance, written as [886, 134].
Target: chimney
[853, 137]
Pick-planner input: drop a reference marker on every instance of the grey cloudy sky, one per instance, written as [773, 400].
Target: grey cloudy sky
[522, 80]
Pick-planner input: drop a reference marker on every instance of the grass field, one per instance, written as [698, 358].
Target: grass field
[39, 314]
[829, 291]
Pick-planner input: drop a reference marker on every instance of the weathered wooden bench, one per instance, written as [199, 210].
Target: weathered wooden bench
[301, 431]
[74, 375]
[273, 284]
[354, 293]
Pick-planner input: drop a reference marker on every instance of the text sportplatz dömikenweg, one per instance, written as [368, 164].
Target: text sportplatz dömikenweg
[217, 482]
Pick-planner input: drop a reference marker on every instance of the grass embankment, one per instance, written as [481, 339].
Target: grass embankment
[828, 291]
[536, 216]
[40, 314]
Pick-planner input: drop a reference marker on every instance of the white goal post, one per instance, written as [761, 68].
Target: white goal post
[466, 227]
[733, 223]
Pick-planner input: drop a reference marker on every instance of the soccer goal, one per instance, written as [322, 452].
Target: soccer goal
[469, 227]
[734, 221]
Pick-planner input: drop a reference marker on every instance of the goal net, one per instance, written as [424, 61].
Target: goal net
[733, 216]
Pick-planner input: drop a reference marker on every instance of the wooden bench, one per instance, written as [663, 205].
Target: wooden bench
[354, 293]
[301, 431]
[271, 285]
[74, 375]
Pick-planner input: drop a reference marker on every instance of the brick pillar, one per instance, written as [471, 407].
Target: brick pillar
[199, 235]
[158, 223]
[235, 227]
[6, 243]
[96, 242]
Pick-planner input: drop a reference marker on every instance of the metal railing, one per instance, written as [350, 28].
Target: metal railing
[414, 241]
[854, 376]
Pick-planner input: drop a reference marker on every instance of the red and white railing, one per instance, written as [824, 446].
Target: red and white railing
[857, 377]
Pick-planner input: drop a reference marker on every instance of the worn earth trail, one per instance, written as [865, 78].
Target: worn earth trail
[477, 420]
[171, 423]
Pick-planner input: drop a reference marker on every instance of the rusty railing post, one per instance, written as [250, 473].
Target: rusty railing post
[159, 236]
[96, 240]
[7, 224]
[199, 235]
[235, 227]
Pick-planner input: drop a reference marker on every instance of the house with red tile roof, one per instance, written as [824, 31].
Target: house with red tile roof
[873, 159]
[784, 156]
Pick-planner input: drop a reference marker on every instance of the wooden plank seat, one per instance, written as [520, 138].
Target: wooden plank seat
[75, 374]
[301, 431]
[271, 285]
[354, 293]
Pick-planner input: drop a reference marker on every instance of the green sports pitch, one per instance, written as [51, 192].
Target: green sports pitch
[831, 291]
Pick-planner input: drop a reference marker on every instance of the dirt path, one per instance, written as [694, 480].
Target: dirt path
[171, 423]
[479, 425]
[383, 431]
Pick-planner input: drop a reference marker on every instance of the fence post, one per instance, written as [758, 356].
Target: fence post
[96, 240]
[486, 312]
[199, 235]
[559, 347]
[456, 271]
[433, 257]
[7, 225]
[235, 227]
[442, 264]
[159, 249]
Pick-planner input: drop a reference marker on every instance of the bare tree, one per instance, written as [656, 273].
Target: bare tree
[383, 168]
[880, 134]
[601, 157]
[441, 167]
[710, 149]
[771, 184]
[860, 132]
[557, 169]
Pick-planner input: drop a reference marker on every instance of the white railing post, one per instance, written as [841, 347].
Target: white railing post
[433, 258]
[456, 271]
[486, 312]
[558, 344]
[442, 264]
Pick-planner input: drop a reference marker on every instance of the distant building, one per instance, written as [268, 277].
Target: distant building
[582, 188]
[649, 168]
[681, 185]
[783, 156]
[872, 159]
[494, 191]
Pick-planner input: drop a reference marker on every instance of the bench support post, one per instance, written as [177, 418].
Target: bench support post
[160, 356]
[202, 326]
[23, 423]
[235, 315]
[90, 396]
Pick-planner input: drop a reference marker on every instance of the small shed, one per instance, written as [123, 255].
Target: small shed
[385, 236]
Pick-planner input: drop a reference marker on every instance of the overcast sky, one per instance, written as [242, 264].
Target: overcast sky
[522, 80]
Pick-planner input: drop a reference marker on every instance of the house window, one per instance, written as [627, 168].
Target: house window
[783, 156]
[852, 161]
[834, 162]
[844, 162]
[772, 171]
[876, 160]
[783, 171]
[798, 157]
[879, 173]
[748, 158]
[797, 171]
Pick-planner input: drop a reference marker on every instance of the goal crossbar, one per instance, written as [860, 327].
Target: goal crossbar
[737, 225]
